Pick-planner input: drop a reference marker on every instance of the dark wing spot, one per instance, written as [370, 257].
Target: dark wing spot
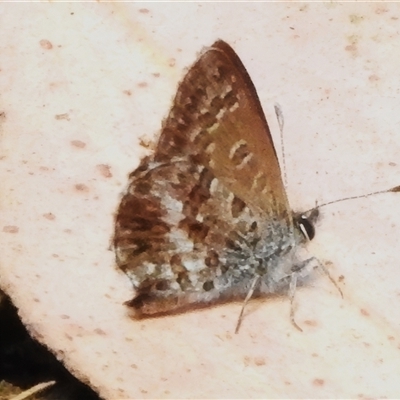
[183, 280]
[162, 285]
[195, 230]
[230, 99]
[207, 286]
[212, 259]
[237, 207]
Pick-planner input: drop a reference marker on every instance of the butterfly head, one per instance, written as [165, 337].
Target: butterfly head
[306, 223]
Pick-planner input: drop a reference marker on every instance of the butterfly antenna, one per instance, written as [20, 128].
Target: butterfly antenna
[281, 122]
[395, 189]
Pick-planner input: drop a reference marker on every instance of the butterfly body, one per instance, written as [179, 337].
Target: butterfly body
[207, 213]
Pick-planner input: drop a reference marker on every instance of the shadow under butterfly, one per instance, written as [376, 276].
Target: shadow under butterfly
[206, 218]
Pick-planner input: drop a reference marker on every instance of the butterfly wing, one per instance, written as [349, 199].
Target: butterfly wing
[218, 120]
[204, 213]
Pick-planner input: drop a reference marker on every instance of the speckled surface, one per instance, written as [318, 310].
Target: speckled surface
[82, 84]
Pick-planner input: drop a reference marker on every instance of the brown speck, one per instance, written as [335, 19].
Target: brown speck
[341, 278]
[68, 336]
[310, 322]
[62, 116]
[63, 316]
[391, 338]
[104, 170]
[364, 312]
[314, 355]
[392, 164]
[351, 48]
[144, 10]
[127, 92]
[143, 391]
[156, 74]
[36, 300]
[45, 44]
[50, 216]
[366, 344]
[373, 78]
[133, 366]
[381, 10]
[100, 332]
[172, 62]
[10, 229]
[142, 84]
[356, 18]
[259, 361]
[318, 382]
[54, 255]
[80, 187]
[145, 143]
[78, 144]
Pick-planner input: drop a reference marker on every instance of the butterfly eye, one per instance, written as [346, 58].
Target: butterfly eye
[306, 227]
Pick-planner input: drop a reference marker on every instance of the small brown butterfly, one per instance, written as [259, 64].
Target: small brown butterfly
[206, 218]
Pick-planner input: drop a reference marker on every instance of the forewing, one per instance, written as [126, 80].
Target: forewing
[217, 120]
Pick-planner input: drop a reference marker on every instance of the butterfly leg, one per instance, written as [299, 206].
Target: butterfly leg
[326, 272]
[248, 297]
[301, 271]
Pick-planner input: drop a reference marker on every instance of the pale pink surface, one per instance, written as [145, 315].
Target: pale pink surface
[80, 84]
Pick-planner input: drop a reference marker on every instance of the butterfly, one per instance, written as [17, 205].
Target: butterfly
[206, 218]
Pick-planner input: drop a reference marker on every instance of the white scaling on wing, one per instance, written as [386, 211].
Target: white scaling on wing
[137, 279]
[220, 114]
[255, 180]
[230, 198]
[226, 90]
[213, 128]
[234, 107]
[193, 264]
[234, 148]
[180, 239]
[214, 186]
[265, 190]
[174, 209]
[199, 217]
[211, 147]
[245, 161]
[194, 133]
